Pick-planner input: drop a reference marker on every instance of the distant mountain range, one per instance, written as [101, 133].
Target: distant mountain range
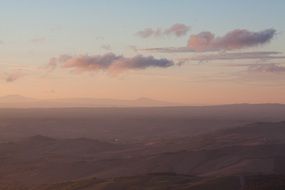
[17, 101]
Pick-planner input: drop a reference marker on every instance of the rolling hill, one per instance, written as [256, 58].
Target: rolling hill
[221, 157]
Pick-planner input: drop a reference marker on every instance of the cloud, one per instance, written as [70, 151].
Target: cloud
[236, 39]
[261, 55]
[233, 40]
[266, 68]
[53, 62]
[108, 62]
[133, 48]
[177, 30]
[168, 50]
[106, 47]
[149, 32]
[39, 40]
[13, 76]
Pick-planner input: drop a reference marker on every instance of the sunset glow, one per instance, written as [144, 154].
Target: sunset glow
[225, 52]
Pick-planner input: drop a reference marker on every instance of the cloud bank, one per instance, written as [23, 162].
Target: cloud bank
[234, 40]
[108, 63]
[177, 30]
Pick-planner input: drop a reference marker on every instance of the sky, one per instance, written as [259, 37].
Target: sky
[187, 51]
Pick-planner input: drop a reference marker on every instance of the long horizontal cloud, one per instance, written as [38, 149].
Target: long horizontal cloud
[236, 39]
[233, 40]
[177, 30]
[168, 50]
[108, 63]
[266, 68]
[262, 55]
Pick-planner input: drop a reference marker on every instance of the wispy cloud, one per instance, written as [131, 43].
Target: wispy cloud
[12, 76]
[149, 32]
[133, 48]
[233, 40]
[259, 55]
[106, 47]
[108, 63]
[39, 40]
[168, 50]
[266, 68]
[177, 30]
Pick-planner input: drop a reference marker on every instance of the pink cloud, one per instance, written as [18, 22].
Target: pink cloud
[236, 39]
[13, 76]
[233, 40]
[178, 30]
[108, 62]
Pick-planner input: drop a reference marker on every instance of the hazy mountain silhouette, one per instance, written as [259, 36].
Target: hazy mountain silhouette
[17, 101]
[16, 98]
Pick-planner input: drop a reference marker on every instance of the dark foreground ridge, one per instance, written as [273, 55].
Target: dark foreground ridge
[229, 157]
[170, 181]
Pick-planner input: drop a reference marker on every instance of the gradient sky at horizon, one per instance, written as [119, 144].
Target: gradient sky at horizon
[34, 31]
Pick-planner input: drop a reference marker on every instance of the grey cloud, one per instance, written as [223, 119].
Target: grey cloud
[168, 50]
[39, 40]
[149, 32]
[108, 63]
[106, 47]
[266, 68]
[236, 39]
[233, 40]
[177, 30]
[262, 55]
